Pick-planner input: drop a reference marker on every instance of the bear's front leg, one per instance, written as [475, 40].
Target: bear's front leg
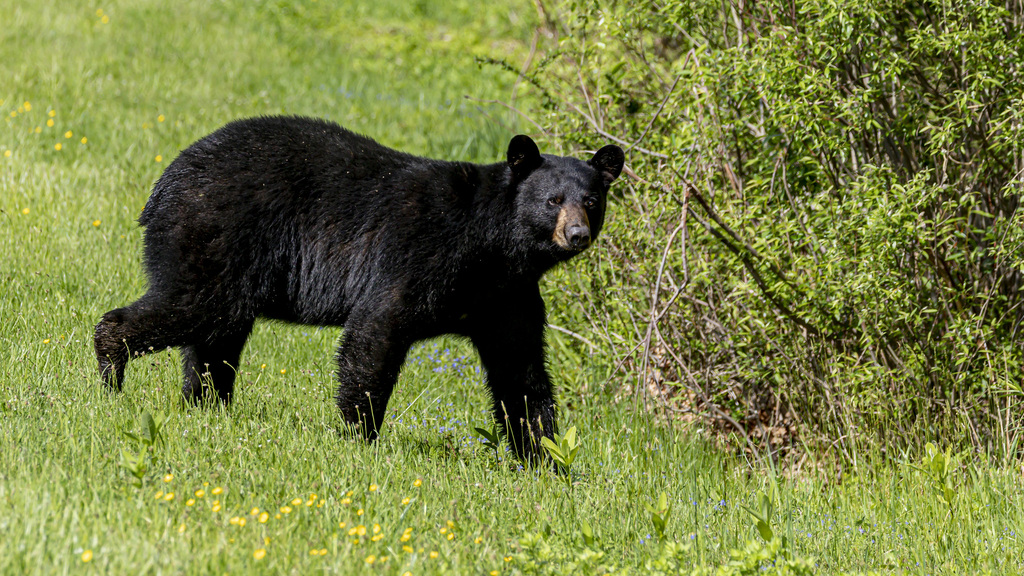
[369, 359]
[510, 339]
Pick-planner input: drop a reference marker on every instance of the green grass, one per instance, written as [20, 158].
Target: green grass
[154, 77]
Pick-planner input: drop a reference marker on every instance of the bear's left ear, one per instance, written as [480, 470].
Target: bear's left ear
[608, 161]
[523, 156]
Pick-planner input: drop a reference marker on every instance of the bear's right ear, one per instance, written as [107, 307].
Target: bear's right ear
[523, 156]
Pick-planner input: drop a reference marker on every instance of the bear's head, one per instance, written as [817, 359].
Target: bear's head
[560, 201]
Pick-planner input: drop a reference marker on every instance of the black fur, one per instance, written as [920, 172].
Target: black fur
[300, 220]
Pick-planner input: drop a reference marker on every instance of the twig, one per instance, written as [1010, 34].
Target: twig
[660, 108]
[583, 339]
[615, 138]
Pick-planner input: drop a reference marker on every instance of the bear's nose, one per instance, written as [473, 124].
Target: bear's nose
[578, 237]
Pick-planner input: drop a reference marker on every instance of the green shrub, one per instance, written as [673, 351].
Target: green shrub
[821, 239]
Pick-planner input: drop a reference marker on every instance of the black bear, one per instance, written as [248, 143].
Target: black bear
[300, 220]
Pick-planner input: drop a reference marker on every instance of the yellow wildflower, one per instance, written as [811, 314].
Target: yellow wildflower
[28, 106]
[84, 139]
[159, 158]
[296, 501]
[373, 487]
[160, 118]
[87, 556]
[286, 509]
[49, 123]
[200, 493]
[264, 517]
[259, 554]
[405, 501]
[97, 223]
[371, 559]
[417, 482]
[433, 554]
[181, 529]
[68, 134]
[190, 502]
[57, 146]
[217, 491]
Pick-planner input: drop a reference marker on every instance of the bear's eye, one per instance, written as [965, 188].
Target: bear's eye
[589, 202]
[555, 200]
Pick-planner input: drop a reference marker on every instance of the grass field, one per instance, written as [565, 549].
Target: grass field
[97, 99]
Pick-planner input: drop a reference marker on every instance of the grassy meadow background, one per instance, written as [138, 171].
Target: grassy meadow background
[97, 99]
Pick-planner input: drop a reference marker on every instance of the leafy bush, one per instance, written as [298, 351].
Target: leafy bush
[821, 236]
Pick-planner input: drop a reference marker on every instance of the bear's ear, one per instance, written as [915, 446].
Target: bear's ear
[608, 161]
[523, 156]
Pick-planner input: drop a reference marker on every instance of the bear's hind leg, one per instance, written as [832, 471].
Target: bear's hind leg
[212, 366]
[369, 359]
[134, 330]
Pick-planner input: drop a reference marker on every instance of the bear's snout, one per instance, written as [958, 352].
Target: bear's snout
[578, 237]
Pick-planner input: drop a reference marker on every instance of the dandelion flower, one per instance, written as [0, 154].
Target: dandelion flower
[217, 491]
[373, 487]
[341, 525]
[254, 512]
[14, 113]
[68, 134]
[405, 501]
[352, 531]
[28, 106]
[169, 496]
[323, 551]
[417, 482]
[200, 493]
[283, 370]
[84, 139]
[159, 494]
[494, 573]
[216, 507]
[376, 528]
[51, 113]
[377, 538]
[159, 158]
[38, 130]
[344, 501]
[169, 477]
[160, 118]
[296, 501]
[407, 549]
[371, 559]
[87, 556]
[7, 154]
[508, 558]
[181, 529]
[23, 210]
[259, 554]
[451, 535]
[433, 554]
[49, 123]
[264, 517]
[286, 509]
[361, 530]
[262, 366]
[478, 540]
[190, 502]
[359, 512]
[241, 522]
[46, 341]
[57, 146]
[106, 20]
